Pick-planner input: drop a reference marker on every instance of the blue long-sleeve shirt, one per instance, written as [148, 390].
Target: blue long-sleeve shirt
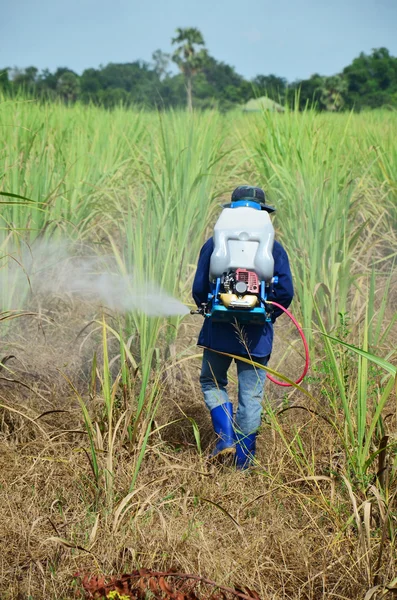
[224, 336]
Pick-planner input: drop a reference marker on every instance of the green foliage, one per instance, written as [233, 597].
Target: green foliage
[160, 62]
[5, 84]
[272, 86]
[362, 399]
[333, 90]
[68, 86]
[370, 81]
[189, 57]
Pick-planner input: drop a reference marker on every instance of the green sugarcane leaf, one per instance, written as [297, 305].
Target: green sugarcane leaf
[19, 197]
[381, 362]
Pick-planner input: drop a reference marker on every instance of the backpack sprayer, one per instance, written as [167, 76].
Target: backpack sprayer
[242, 264]
[242, 270]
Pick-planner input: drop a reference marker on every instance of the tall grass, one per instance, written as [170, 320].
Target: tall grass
[327, 182]
[144, 188]
[162, 224]
[68, 165]
[68, 160]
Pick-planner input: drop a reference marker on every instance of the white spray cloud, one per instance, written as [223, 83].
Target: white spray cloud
[58, 269]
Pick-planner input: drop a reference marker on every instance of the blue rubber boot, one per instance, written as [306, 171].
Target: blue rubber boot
[245, 451]
[222, 421]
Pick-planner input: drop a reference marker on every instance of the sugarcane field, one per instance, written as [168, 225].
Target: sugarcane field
[106, 443]
[198, 350]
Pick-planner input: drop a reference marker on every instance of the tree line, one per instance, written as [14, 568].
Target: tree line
[370, 81]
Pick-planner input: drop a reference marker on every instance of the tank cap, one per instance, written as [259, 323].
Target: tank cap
[249, 203]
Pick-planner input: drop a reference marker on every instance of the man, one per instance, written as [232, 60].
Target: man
[238, 434]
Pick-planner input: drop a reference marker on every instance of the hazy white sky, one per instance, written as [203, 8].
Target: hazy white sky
[290, 38]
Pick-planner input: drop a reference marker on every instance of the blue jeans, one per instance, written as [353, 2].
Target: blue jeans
[251, 382]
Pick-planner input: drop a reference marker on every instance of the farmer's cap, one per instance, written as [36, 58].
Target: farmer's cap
[249, 194]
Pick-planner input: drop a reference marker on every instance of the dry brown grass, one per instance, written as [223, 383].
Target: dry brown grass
[276, 529]
[287, 529]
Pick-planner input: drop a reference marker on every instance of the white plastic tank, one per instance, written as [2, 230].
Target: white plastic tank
[243, 238]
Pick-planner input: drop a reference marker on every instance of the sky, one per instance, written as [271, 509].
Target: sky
[290, 38]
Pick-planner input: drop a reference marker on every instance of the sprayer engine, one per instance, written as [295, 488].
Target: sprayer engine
[240, 289]
[241, 281]
[239, 295]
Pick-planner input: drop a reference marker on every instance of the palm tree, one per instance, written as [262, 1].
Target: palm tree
[188, 57]
[332, 92]
[68, 86]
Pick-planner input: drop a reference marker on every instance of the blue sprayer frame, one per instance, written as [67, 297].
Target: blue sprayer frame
[218, 312]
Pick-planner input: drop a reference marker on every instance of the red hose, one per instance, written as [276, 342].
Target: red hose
[299, 328]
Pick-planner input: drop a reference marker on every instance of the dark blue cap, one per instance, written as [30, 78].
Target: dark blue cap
[251, 193]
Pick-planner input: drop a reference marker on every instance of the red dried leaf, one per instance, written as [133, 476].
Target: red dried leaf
[166, 587]
[122, 587]
[190, 595]
[182, 587]
[153, 584]
[129, 577]
[252, 594]
[94, 586]
[142, 584]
